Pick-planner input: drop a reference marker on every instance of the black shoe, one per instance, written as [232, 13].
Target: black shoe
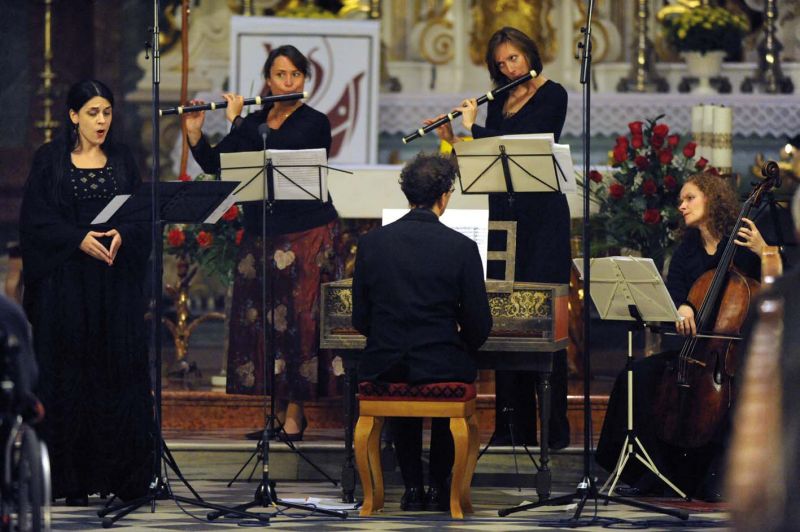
[437, 499]
[255, 435]
[296, 436]
[80, 500]
[557, 445]
[413, 500]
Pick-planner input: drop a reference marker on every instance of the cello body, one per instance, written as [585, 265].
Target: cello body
[696, 389]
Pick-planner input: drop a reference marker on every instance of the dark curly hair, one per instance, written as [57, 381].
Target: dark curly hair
[426, 177]
[518, 39]
[722, 207]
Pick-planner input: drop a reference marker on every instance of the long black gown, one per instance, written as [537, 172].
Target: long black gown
[88, 326]
[543, 255]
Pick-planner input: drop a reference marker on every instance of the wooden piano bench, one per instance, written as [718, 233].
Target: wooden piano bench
[454, 400]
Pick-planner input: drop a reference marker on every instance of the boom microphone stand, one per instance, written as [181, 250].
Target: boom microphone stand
[587, 488]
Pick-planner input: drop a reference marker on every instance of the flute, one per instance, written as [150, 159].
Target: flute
[455, 114]
[212, 106]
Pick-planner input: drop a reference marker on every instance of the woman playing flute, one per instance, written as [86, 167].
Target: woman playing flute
[543, 253]
[299, 242]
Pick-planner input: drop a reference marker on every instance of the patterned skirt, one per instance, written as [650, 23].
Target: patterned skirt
[299, 263]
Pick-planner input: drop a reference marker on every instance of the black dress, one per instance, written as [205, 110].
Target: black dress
[88, 326]
[692, 470]
[543, 255]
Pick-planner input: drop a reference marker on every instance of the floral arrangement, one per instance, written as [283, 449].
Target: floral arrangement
[212, 247]
[706, 28]
[638, 200]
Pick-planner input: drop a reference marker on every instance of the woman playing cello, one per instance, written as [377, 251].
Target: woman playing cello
[709, 209]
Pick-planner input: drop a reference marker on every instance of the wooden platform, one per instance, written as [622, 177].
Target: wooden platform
[188, 411]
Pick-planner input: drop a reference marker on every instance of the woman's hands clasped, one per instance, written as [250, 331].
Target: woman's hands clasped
[92, 247]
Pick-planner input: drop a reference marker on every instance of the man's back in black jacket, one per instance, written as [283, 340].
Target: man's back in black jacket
[420, 299]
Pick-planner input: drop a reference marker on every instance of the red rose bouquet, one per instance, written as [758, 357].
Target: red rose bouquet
[638, 199]
[212, 247]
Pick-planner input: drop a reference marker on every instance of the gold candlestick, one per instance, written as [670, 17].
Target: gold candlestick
[769, 74]
[47, 124]
[643, 76]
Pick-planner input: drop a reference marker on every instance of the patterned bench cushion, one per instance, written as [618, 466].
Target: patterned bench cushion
[398, 391]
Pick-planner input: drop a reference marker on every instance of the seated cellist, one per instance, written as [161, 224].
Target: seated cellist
[709, 209]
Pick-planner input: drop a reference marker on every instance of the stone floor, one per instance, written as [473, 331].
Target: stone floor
[487, 501]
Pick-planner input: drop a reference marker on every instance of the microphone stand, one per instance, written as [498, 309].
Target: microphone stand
[587, 487]
[159, 487]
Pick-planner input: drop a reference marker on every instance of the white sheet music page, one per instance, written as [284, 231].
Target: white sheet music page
[297, 174]
[110, 208]
[472, 223]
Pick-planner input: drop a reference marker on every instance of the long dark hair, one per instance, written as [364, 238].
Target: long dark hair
[78, 95]
[519, 40]
[292, 54]
[64, 144]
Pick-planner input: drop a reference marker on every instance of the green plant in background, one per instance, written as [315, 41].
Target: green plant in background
[704, 29]
[638, 198]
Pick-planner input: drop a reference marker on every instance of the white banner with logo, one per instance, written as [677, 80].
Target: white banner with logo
[343, 57]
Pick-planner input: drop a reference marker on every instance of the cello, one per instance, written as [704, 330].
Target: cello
[696, 391]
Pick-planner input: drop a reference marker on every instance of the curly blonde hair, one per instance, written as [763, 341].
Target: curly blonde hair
[722, 206]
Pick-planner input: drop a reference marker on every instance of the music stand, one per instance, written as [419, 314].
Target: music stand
[631, 289]
[177, 202]
[299, 175]
[509, 164]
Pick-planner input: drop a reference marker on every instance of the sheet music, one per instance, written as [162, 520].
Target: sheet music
[110, 208]
[566, 169]
[472, 223]
[303, 182]
[221, 209]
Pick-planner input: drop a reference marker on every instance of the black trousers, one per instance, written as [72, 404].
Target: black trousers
[407, 433]
[515, 401]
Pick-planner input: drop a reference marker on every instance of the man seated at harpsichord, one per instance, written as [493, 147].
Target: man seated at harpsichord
[420, 299]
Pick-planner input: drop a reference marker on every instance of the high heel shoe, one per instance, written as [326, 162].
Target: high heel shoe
[296, 436]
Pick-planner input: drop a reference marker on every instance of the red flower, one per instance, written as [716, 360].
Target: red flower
[595, 176]
[616, 190]
[688, 150]
[641, 162]
[651, 216]
[622, 140]
[660, 130]
[636, 128]
[620, 154]
[701, 163]
[184, 177]
[673, 140]
[231, 214]
[665, 156]
[637, 142]
[239, 235]
[657, 142]
[176, 238]
[204, 239]
[670, 182]
[712, 170]
[649, 187]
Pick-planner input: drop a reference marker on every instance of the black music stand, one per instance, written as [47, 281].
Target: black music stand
[509, 164]
[301, 175]
[177, 202]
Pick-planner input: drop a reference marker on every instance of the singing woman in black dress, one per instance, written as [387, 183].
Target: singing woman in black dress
[543, 254]
[85, 297]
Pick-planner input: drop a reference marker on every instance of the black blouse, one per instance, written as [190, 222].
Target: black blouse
[305, 128]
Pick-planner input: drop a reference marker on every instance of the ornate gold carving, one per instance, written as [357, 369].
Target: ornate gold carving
[529, 16]
[521, 304]
[341, 301]
[436, 41]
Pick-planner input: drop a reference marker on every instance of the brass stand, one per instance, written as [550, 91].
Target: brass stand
[642, 76]
[769, 74]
